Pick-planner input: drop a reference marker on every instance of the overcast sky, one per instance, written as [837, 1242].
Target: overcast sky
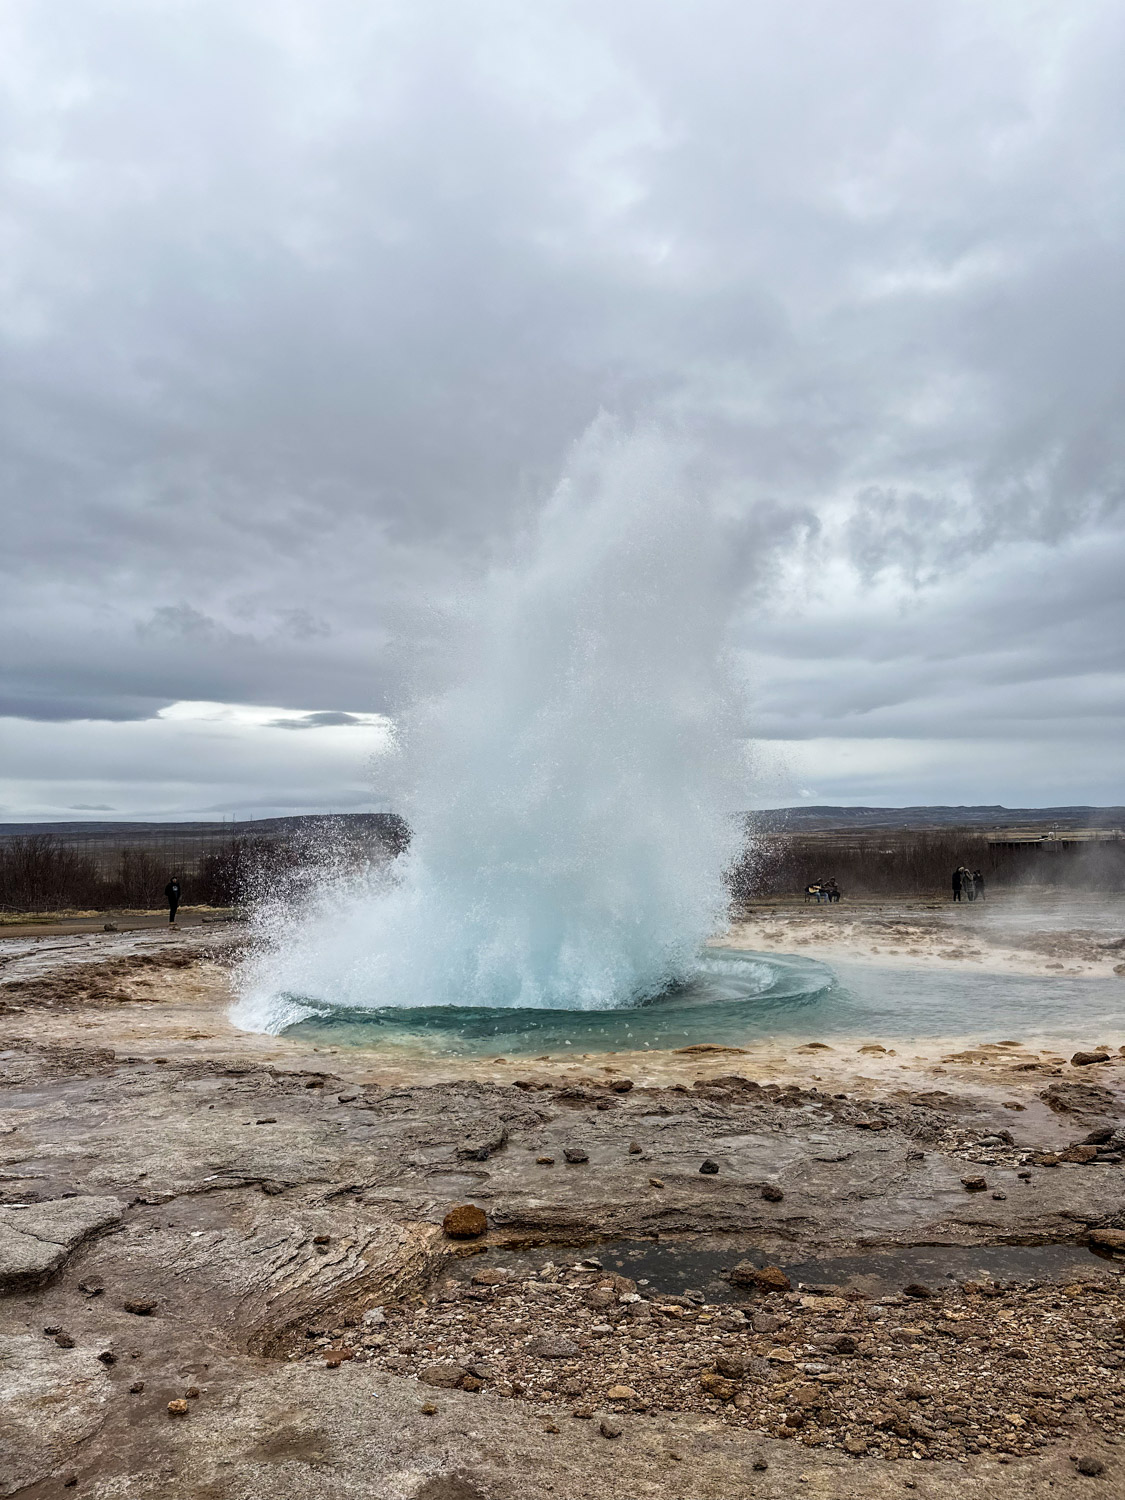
[305, 302]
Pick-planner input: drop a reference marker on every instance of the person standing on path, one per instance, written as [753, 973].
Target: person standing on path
[172, 896]
[957, 884]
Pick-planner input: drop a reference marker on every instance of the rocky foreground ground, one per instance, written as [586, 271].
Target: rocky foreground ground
[224, 1272]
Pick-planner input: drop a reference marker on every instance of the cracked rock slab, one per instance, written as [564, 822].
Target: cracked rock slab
[37, 1240]
[51, 1401]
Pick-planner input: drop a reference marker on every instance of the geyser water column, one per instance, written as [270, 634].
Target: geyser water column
[572, 793]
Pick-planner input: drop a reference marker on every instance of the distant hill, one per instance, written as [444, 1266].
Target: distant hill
[858, 819]
[256, 828]
[766, 820]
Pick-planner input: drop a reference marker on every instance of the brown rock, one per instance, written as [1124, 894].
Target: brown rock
[709, 1167]
[446, 1376]
[177, 1408]
[772, 1193]
[1091, 1467]
[974, 1184]
[575, 1155]
[766, 1278]
[491, 1276]
[855, 1446]
[634, 1148]
[621, 1393]
[64, 1341]
[465, 1222]
[136, 1388]
[544, 1161]
[1080, 1154]
[140, 1307]
[1084, 1059]
[610, 1428]
[1108, 1239]
[621, 1085]
[916, 1289]
[717, 1385]
[732, 1365]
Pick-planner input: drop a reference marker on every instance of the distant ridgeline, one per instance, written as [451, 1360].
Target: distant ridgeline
[106, 866]
[914, 850]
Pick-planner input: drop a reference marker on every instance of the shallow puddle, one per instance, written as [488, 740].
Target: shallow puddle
[702, 1265]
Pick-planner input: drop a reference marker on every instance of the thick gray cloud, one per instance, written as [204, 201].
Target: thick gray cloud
[304, 304]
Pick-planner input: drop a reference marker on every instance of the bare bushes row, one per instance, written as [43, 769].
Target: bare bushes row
[919, 864]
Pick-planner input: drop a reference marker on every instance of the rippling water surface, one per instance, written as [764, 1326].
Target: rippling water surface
[738, 997]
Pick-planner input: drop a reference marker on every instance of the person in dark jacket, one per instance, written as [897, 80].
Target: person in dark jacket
[957, 884]
[978, 884]
[172, 896]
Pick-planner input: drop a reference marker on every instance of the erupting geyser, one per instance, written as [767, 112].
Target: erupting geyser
[572, 794]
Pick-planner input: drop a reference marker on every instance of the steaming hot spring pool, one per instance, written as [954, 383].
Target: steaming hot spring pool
[736, 997]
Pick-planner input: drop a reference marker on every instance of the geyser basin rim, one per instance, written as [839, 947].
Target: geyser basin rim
[729, 995]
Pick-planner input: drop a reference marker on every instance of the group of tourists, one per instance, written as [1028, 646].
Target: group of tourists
[967, 884]
[822, 890]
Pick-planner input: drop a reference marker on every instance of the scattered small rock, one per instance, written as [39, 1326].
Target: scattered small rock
[108, 1357]
[136, 1388]
[610, 1428]
[772, 1193]
[1084, 1059]
[140, 1307]
[709, 1167]
[544, 1161]
[657, 1182]
[974, 1184]
[634, 1148]
[575, 1155]
[429, 1409]
[64, 1341]
[550, 1347]
[917, 1289]
[177, 1408]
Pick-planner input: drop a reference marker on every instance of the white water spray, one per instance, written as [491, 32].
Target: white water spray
[572, 795]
